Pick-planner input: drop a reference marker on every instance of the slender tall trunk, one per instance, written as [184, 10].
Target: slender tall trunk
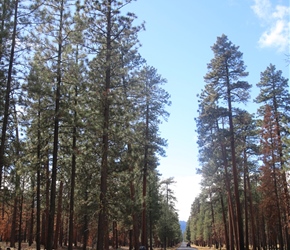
[240, 238]
[20, 218]
[17, 185]
[252, 215]
[232, 231]
[19, 190]
[145, 170]
[7, 93]
[72, 191]
[73, 171]
[150, 230]
[115, 235]
[130, 240]
[56, 134]
[214, 238]
[58, 217]
[286, 196]
[103, 240]
[86, 222]
[225, 223]
[135, 231]
[38, 184]
[280, 230]
[246, 191]
[14, 215]
[231, 227]
[30, 239]
[45, 215]
[61, 228]
[4, 12]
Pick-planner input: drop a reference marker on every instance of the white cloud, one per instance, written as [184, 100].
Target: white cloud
[277, 37]
[262, 8]
[276, 22]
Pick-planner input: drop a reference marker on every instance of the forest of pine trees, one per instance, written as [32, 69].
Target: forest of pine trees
[80, 142]
[80, 111]
[244, 157]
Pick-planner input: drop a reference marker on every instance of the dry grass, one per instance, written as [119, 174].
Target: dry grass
[205, 248]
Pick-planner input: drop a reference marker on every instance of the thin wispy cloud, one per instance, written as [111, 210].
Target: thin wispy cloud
[275, 19]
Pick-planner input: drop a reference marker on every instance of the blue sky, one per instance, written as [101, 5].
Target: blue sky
[177, 41]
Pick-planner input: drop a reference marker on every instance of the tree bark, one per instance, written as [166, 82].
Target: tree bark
[38, 184]
[240, 236]
[58, 217]
[103, 240]
[20, 219]
[30, 239]
[85, 226]
[246, 191]
[145, 169]
[225, 223]
[7, 93]
[55, 137]
[253, 230]
[73, 174]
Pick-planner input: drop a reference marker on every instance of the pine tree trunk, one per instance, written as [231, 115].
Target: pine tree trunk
[38, 184]
[214, 238]
[286, 197]
[55, 138]
[150, 231]
[17, 187]
[134, 235]
[7, 93]
[14, 219]
[226, 235]
[85, 225]
[231, 227]
[45, 216]
[4, 10]
[73, 175]
[144, 211]
[240, 238]
[246, 199]
[280, 230]
[135, 231]
[232, 231]
[58, 217]
[60, 240]
[253, 230]
[30, 240]
[103, 240]
[130, 240]
[20, 220]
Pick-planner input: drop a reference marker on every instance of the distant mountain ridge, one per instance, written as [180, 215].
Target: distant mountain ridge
[182, 225]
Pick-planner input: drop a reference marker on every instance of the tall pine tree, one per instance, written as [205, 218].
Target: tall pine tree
[225, 72]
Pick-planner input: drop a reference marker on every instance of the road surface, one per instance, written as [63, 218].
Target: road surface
[184, 247]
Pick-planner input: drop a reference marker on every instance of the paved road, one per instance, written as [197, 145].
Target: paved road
[184, 247]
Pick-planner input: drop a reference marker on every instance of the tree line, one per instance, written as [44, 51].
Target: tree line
[244, 157]
[80, 142]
